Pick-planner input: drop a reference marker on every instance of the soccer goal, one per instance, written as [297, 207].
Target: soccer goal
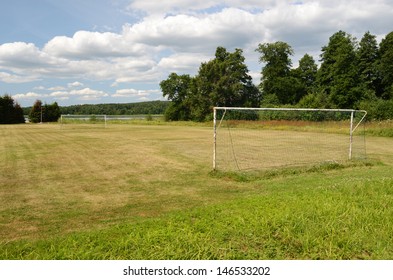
[263, 138]
[84, 120]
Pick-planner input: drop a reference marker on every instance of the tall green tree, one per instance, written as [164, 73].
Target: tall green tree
[368, 58]
[222, 81]
[10, 111]
[178, 89]
[36, 112]
[338, 75]
[385, 66]
[306, 75]
[277, 81]
[307, 71]
[52, 112]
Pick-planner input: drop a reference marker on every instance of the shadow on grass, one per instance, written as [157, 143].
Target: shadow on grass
[250, 176]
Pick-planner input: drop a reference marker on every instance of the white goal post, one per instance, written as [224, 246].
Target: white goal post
[83, 119]
[258, 138]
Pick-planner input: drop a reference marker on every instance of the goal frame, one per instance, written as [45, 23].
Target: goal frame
[85, 117]
[352, 128]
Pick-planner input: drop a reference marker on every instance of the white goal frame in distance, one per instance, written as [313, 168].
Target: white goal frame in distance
[352, 127]
[82, 117]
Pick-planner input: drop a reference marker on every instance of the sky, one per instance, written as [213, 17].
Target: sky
[118, 51]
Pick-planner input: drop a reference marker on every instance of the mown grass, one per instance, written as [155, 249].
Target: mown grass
[147, 192]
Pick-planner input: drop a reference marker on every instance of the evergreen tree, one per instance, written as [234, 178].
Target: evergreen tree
[337, 76]
[307, 71]
[306, 75]
[36, 113]
[52, 112]
[385, 66]
[368, 57]
[10, 111]
[277, 81]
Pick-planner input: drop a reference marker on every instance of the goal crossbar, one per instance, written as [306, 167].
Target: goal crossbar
[352, 128]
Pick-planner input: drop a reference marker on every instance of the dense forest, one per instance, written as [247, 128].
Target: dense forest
[351, 75]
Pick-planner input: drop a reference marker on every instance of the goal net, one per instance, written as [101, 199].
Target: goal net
[263, 138]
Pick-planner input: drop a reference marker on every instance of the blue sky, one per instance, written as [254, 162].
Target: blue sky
[77, 52]
[40, 21]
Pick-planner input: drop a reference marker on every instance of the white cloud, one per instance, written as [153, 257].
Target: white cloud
[28, 96]
[75, 84]
[91, 45]
[182, 63]
[198, 33]
[151, 8]
[15, 79]
[80, 94]
[56, 88]
[88, 91]
[134, 93]
[20, 53]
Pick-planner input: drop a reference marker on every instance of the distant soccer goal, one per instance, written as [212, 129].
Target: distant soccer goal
[99, 121]
[84, 120]
[263, 138]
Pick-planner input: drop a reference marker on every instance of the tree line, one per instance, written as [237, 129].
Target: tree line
[11, 112]
[352, 75]
[138, 108]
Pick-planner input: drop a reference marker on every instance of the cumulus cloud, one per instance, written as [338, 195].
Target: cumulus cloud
[182, 62]
[230, 27]
[28, 96]
[92, 45]
[80, 94]
[20, 54]
[134, 93]
[15, 79]
[75, 84]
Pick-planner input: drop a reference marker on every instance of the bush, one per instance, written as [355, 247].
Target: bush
[378, 109]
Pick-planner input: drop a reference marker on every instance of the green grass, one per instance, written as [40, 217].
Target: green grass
[147, 192]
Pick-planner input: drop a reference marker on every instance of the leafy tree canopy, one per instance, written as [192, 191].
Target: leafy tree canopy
[222, 81]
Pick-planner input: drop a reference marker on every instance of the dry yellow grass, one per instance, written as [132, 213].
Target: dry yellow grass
[54, 180]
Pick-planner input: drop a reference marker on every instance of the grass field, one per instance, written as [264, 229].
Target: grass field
[147, 192]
